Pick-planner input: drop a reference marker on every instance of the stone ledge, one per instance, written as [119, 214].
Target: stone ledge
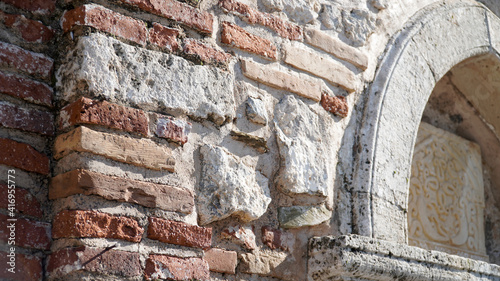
[361, 258]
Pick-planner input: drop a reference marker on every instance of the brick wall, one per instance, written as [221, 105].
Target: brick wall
[144, 141]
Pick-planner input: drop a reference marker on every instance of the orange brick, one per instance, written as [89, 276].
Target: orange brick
[335, 105]
[179, 233]
[164, 37]
[221, 261]
[236, 36]
[173, 268]
[205, 53]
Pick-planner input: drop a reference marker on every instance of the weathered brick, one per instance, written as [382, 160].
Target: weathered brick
[221, 261]
[31, 120]
[30, 30]
[27, 267]
[241, 235]
[277, 239]
[336, 47]
[114, 188]
[99, 260]
[173, 268]
[42, 7]
[25, 203]
[139, 152]
[236, 36]
[77, 223]
[23, 156]
[281, 80]
[283, 28]
[262, 263]
[201, 52]
[26, 89]
[164, 37]
[323, 67]
[335, 105]
[34, 64]
[177, 11]
[173, 129]
[179, 233]
[87, 111]
[28, 233]
[106, 20]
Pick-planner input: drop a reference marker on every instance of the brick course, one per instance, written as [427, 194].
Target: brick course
[26, 89]
[31, 120]
[28, 267]
[179, 233]
[29, 233]
[87, 111]
[30, 30]
[23, 156]
[76, 223]
[26, 203]
[204, 53]
[221, 261]
[164, 37]
[42, 7]
[37, 65]
[173, 268]
[236, 36]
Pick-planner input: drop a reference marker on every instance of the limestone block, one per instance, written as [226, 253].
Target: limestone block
[358, 25]
[256, 111]
[446, 200]
[228, 186]
[305, 150]
[299, 216]
[104, 67]
[301, 11]
[262, 263]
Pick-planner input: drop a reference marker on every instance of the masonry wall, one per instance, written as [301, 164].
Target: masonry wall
[180, 140]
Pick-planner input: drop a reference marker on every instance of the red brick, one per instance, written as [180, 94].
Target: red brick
[34, 64]
[27, 267]
[221, 261]
[177, 11]
[28, 233]
[276, 239]
[173, 129]
[106, 20]
[179, 233]
[87, 111]
[236, 36]
[335, 105]
[30, 30]
[76, 224]
[26, 89]
[164, 37]
[173, 268]
[283, 28]
[99, 260]
[30, 120]
[25, 203]
[42, 7]
[115, 188]
[205, 53]
[23, 156]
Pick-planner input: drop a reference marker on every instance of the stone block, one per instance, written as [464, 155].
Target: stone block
[300, 216]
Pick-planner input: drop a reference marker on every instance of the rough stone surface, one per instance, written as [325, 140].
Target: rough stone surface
[301, 11]
[23, 156]
[299, 216]
[114, 188]
[221, 261]
[106, 20]
[228, 187]
[360, 257]
[335, 47]
[335, 105]
[262, 263]
[174, 268]
[258, 143]
[31, 120]
[139, 152]
[256, 111]
[111, 69]
[241, 235]
[283, 28]
[236, 36]
[305, 150]
[358, 25]
[281, 80]
[321, 66]
[99, 260]
[179, 233]
[277, 239]
[74, 223]
[26, 89]
[87, 111]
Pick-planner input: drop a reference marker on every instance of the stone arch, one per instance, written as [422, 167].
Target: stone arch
[436, 39]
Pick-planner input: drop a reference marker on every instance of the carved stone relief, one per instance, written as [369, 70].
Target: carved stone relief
[446, 199]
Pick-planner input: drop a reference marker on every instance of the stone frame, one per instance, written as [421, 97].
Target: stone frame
[416, 58]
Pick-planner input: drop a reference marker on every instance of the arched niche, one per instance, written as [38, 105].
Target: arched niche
[433, 42]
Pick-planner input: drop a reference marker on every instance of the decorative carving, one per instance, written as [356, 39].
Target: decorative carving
[446, 200]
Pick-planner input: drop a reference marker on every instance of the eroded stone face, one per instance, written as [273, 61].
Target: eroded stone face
[446, 201]
[305, 149]
[228, 186]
